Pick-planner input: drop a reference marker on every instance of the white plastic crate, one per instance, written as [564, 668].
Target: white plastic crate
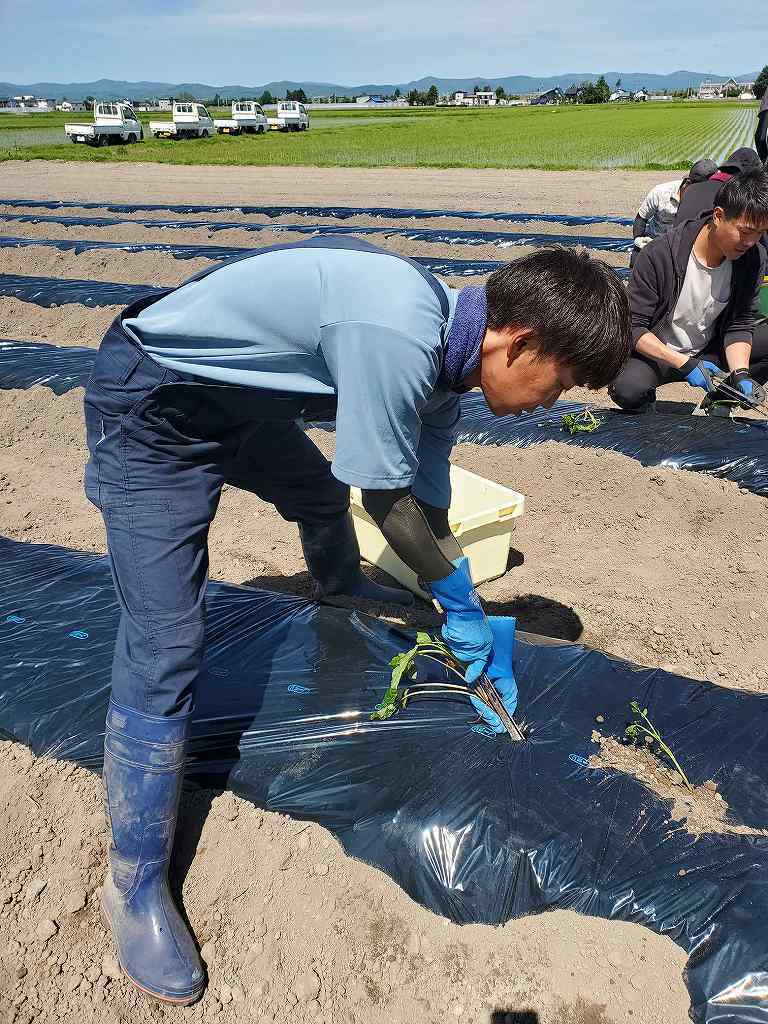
[482, 516]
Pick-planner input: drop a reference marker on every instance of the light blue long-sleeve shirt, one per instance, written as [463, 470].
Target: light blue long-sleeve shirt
[327, 317]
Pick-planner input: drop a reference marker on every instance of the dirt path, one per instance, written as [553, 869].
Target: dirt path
[607, 192]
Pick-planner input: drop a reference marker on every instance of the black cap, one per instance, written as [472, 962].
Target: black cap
[741, 161]
[701, 171]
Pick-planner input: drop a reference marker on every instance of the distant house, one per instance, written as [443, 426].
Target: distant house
[574, 94]
[721, 90]
[620, 96]
[481, 98]
[362, 100]
[31, 104]
[548, 98]
[640, 96]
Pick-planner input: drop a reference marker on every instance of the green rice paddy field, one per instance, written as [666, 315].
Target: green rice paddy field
[654, 135]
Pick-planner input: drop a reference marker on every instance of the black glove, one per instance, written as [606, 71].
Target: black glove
[754, 393]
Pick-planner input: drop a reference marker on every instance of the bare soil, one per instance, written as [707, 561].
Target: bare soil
[291, 929]
[698, 810]
[611, 553]
[606, 192]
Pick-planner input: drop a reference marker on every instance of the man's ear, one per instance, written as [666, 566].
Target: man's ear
[718, 214]
[519, 339]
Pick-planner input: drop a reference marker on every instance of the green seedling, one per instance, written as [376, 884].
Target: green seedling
[584, 422]
[404, 668]
[643, 728]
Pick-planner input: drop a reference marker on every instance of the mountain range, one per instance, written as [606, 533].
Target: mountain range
[107, 88]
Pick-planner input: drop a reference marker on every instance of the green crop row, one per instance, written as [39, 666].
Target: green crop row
[651, 135]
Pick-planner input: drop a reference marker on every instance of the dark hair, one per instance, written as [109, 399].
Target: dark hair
[745, 194]
[576, 306]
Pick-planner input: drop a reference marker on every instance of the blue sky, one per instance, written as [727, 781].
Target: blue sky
[223, 42]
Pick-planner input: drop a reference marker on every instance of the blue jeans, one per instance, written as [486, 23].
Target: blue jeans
[161, 447]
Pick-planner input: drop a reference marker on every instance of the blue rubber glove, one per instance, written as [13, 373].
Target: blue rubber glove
[701, 375]
[500, 670]
[466, 630]
[754, 393]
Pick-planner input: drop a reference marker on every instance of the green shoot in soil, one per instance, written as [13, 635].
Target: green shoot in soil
[643, 726]
[584, 422]
[404, 667]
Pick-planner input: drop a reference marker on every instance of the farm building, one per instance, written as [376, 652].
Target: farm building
[574, 93]
[548, 98]
[481, 98]
[722, 90]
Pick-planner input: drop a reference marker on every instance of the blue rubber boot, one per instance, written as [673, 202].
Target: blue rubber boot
[332, 555]
[143, 771]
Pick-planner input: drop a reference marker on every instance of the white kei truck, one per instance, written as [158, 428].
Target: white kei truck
[247, 116]
[190, 121]
[112, 122]
[292, 116]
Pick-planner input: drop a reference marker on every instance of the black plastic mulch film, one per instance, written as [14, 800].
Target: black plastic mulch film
[282, 719]
[335, 212]
[735, 450]
[449, 236]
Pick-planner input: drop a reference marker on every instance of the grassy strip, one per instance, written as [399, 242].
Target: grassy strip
[638, 136]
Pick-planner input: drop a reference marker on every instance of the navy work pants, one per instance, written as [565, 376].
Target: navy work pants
[161, 448]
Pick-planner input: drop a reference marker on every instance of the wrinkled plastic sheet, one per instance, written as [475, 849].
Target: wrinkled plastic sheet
[29, 364]
[56, 291]
[335, 212]
[735, 449]
[475, 828]
[80, 245]
[503, 239]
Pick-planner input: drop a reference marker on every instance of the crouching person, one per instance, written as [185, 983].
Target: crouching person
[694, 297]
[208, 384]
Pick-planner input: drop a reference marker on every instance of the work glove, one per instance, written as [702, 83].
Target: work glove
[466, 630]
[500, 670]
[699, 374]
[642, 240]
[741, 380]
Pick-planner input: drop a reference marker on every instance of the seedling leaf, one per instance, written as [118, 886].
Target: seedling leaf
[644, 727]
[584, 422]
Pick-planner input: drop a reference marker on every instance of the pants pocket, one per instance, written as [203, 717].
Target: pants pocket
[98, 428]
[159, 564]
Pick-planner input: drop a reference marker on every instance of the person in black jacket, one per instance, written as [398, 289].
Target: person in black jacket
[699, 198]
[694, 296]
[761, 132]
